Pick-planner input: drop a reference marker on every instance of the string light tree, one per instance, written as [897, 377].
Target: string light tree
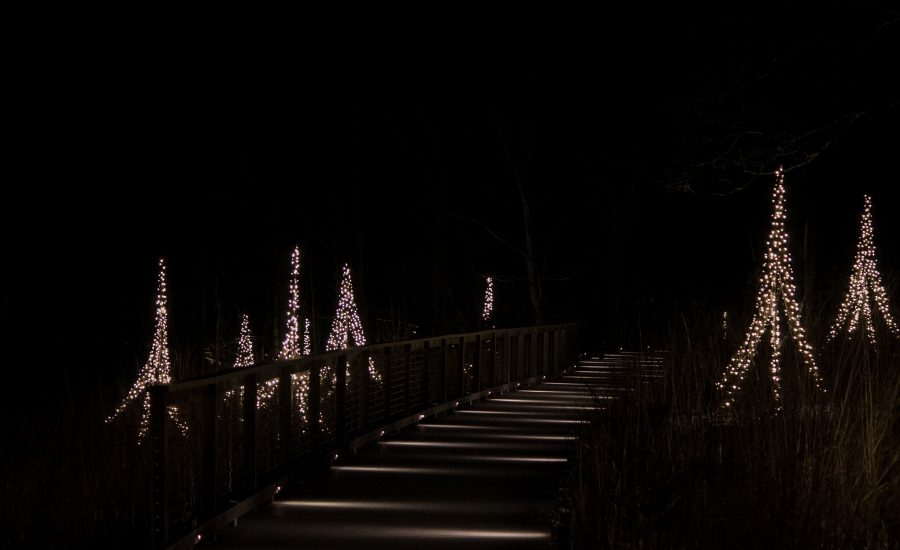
[776, 285]
[346, 328]
[865, 287]
[293, 346]
[157, 369]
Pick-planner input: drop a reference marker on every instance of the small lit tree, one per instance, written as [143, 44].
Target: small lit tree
[346, 325]
[865, 287]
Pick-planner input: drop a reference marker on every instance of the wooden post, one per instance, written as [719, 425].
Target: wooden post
[363, 359]
[426, 402]
[285, 413]
[476, 364]
[492, 361]
[444, 378]
[461, 366]
[159, 440]
[315, 369]
[388, 372]
[407, 388]
[250, 399]
[340, 398]
[212, 396]
[508, 354]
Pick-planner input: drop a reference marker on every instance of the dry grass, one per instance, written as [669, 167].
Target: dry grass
[668, 469]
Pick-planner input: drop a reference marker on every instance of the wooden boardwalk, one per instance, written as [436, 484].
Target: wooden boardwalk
[486, 475]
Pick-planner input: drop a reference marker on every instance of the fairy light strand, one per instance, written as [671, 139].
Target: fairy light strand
[777, 282]
[291, 347]
[488, 311]
[158, 367]
[307, 343]
[865, 287]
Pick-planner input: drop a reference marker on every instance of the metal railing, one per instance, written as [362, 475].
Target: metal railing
[223, 444]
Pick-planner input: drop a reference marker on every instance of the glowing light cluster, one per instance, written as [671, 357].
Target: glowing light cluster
[300, 383]
[346, 324]
[158, 368]
[488, 309]
[864, 280]
[777, 282]
[245, 345]
[291, 347]
[306, 341]
[724, 324]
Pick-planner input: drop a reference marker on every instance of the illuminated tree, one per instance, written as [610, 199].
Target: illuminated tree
[245, 345]
[158, 368]
[776, 288]
[346, 324]
[865, 287]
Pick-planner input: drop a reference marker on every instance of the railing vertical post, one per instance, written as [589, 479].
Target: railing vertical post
[445, 349]
[545, 352]
[250, 400]
[407, 349]
[314, 404]
[492, 361]
[521, 359]
[426, 402]
[285, 412]
[340, 398]
[508, 354]
[460, 367]
[476, 364]
[210, 441]
[387, 376]
[159, 441]
[363, 365]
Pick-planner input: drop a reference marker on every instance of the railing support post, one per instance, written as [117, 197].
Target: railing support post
[159, 441]
[210, 438]
[443, 374]
[250, 400]
[407, 397]
[340, 399]
[388, 381]
[285, 412]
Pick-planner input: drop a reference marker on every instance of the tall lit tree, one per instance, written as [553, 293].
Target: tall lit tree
[291, 347]
[776, 291]
[865, 287]
[158, 367]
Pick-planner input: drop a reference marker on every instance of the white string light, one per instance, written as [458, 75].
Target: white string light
[347, 325]
[158, 368]
[290, 348]
[245, 345]
[488, 309]
[307, 343]
[777, 282]
[864, 280]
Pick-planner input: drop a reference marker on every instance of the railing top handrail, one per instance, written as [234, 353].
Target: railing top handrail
[272, 368]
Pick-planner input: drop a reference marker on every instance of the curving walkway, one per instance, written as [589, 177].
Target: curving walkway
[484, 476]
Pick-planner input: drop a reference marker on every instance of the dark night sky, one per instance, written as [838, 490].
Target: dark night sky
[221, 156]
